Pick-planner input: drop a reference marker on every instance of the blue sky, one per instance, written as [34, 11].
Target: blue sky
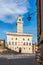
[10, 10]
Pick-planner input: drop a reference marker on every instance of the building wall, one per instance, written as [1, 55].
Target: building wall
[40, 30]
[2, 43]
[40, 20]
[20, 41]
[34, 47]
[19, 25]
[17, 42]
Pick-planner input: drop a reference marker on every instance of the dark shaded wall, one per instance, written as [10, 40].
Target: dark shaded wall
[40, 29]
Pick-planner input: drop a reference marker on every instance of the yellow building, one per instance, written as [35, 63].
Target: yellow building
[19, 41]
[2, 43]
[34, 48]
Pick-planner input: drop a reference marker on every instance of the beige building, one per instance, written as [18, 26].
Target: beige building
[19, 41]
[34, 48]
[2, 45]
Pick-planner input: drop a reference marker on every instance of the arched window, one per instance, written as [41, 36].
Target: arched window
[12, 43]
[24, 43]
[16, 38]
[15, 43]
[23, 39]
[29, 48]
[19, 19]
[24, 48]
[28, 38]
[27, 43]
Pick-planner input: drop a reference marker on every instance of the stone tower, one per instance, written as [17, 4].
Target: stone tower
[19, 25]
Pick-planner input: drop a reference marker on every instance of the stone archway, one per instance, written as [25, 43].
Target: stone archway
[19, 50]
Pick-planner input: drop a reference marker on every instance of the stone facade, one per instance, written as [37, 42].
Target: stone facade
[19, 41]
[19, 25]
[34, 48]
[2, 43]
[40, 30]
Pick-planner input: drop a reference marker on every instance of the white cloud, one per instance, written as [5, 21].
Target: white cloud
[10, 9]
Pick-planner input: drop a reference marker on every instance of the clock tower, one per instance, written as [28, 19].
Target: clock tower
[19, 25]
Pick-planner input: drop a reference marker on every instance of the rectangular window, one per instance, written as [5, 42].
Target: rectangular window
[24, 43]
[15, 43]
[12, 43]
[9, 43]
[29, 44]
[29, 48]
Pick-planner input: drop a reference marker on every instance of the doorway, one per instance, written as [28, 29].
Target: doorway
[19, 50]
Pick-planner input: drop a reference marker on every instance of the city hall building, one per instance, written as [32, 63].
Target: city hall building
[19, 41]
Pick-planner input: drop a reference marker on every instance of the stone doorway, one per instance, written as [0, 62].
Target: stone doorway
[19, 50]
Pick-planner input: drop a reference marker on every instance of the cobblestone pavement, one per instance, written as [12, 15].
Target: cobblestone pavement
[18, 60]
[16, 56]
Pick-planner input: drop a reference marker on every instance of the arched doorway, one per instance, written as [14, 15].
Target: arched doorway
[19, 50]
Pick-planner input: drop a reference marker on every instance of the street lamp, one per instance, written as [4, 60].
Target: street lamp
[29, 16]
